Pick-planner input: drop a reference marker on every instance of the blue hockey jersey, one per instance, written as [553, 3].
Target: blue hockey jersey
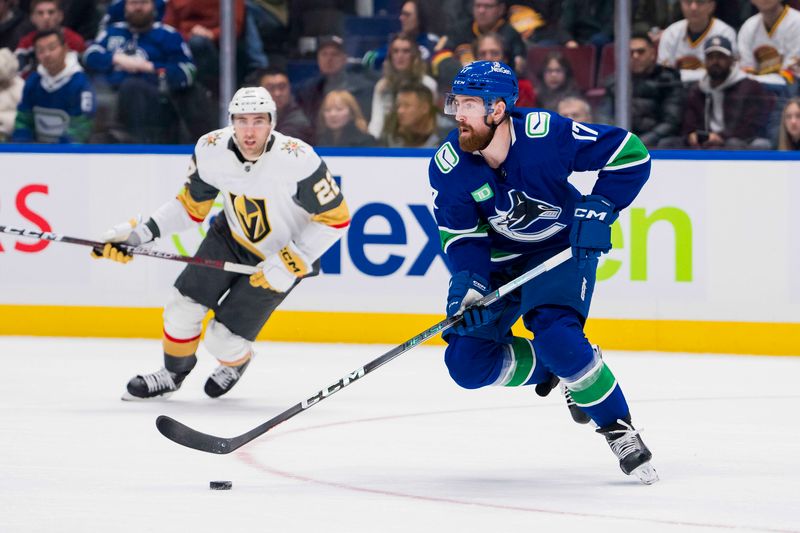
[56, 109]
[162, 45]
[526, 205]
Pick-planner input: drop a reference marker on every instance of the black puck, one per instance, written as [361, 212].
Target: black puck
[220, 485]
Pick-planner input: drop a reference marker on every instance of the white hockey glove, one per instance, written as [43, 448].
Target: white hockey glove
[132, 233]
[279, 271]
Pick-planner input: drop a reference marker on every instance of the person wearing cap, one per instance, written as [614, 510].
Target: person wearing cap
[334, 75]
[726, 109]
[282, 210]
[504, 206]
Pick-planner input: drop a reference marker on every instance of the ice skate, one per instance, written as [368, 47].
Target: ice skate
[627, 445]
[224, 378]
[158, 385]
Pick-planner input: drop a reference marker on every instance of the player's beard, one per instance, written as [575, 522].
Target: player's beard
[472, 141]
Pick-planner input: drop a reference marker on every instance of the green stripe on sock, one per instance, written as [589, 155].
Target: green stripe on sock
[595, 387]
[523, 354]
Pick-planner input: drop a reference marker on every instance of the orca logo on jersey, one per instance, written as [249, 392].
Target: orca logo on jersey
[252, 216]
[524, 212]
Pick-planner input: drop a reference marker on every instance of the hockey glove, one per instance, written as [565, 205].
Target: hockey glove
[590, 235]
[465, 290]
[281, 270]
[132, 233]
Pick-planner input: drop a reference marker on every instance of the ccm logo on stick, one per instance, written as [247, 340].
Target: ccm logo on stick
[342, 383]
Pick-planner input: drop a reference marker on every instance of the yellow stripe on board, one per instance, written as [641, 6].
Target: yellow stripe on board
[613, 334]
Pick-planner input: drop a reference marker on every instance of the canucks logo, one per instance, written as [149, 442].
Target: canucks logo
[252, 216]
[519, 221]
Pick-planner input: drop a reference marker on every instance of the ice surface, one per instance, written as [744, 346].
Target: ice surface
[403, 449]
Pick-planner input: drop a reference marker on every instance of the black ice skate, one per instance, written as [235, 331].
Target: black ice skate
[158, 385]
[224, 378]
[627, 445]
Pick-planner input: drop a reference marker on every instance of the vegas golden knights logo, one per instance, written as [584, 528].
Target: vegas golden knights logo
[252, 215]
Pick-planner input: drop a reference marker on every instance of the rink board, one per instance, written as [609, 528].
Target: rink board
[702, 260]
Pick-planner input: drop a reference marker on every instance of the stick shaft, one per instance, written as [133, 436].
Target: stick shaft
[135, 250]
[191, 438]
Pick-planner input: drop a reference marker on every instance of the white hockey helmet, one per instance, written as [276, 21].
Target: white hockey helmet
[253, 100]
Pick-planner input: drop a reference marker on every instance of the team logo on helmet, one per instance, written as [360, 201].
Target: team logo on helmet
[522, 221]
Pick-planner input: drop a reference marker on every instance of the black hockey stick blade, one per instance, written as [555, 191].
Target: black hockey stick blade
[191, 438]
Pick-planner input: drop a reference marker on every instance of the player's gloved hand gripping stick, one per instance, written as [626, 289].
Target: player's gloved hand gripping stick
[590, 235]
[101, 247]
[191, 438]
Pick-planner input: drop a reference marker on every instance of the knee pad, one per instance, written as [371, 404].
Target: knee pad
[225, 345]
[473, 362]
[183, 322]
[559, 340]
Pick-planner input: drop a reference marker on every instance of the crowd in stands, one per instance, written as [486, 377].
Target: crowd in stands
[705, 73]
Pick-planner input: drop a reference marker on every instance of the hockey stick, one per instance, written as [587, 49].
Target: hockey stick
[191, 438]
[136, 250]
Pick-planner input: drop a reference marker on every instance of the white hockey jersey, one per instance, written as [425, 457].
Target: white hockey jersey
[765, 52]
[288, 194]
[676, 48]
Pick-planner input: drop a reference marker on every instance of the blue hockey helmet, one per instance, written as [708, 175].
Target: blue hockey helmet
[489, 80]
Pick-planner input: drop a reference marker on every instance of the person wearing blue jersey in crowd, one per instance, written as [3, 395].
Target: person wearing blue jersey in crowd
[503, 206]
[58, 101]
[149, 67]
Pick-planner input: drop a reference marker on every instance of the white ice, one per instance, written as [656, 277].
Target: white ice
[403, 449]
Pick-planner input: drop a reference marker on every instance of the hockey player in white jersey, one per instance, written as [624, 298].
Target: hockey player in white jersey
[282, 211]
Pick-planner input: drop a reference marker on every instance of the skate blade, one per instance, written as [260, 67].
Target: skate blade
[128, 397]
[645, 473]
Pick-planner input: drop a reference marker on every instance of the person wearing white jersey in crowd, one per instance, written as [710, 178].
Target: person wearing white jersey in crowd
[282, 211]
[769, 43]
[681, 44]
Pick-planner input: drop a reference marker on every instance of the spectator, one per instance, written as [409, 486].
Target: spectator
[487, 16]
[555, 81]
[769, 43]
[726, 108]
[414, 24]
[537, 21]
[681, 44]
[405, 65]
[333, 75]
[576, 108]
[267, 39]
[57, 102]
[789, 136]
[45, 15]
[291, 119]
[415, 121]
[82, 16]
[149, 68]
[489, 47]
[587, 22]
[657, 94]
[10, 92]
[13, 24]
[198, 23]
[341, 122]
[115, 12]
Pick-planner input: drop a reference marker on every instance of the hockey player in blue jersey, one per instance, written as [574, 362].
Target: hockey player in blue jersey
[503, 205]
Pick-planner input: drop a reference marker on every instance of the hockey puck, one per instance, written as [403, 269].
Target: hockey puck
[220, 485]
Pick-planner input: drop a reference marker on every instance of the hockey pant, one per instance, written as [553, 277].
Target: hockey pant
[553, 307]
[240, 310]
